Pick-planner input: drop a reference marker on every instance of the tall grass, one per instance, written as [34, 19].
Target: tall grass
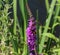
[47, 24]
[22, 4]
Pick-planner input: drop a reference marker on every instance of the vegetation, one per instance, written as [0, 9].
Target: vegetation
[13, 40]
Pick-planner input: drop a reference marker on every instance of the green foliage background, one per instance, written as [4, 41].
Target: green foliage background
[13, 33]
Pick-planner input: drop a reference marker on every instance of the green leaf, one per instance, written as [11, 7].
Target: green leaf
[0, 37]
[50, 35]
[56, 50]
[58, 1]
[15, 45]
[54, 25]
[58, 17]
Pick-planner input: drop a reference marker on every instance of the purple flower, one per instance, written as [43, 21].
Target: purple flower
[31, 35]
[31, 54]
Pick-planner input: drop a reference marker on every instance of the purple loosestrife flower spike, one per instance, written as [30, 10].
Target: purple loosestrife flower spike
[31, 35]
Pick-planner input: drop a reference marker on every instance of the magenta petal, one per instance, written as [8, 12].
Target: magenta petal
[31, 54]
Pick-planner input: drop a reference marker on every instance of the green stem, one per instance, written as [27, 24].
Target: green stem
[47, 5]
[14, 41]
[15, 15]
[22, 7]
[47, 25]
[37, 32]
